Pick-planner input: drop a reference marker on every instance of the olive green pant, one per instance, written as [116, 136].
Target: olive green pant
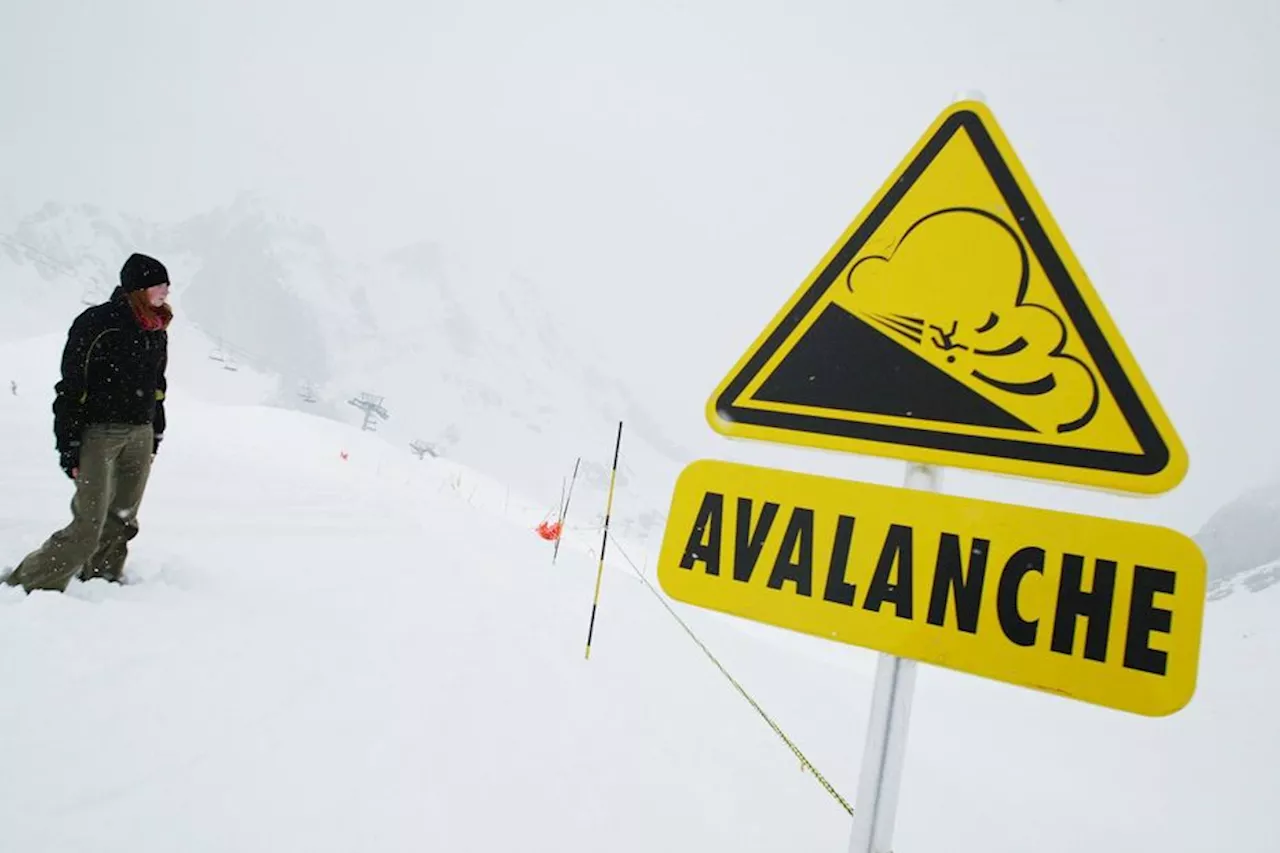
[115, 461]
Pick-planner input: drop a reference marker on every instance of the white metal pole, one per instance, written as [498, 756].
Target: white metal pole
[885, 749]
[880, 779]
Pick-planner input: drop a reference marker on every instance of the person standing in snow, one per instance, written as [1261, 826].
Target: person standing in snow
[108, 422]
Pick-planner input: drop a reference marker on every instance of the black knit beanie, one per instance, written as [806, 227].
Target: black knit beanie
[140, 272]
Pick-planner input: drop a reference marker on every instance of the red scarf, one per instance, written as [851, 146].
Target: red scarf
[150, 321]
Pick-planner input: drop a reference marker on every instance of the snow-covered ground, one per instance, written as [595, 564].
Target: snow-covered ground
[375, 653]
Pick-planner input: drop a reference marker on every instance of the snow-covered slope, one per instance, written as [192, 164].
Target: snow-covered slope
[1252, 580]
[336, 654]
[469, 358]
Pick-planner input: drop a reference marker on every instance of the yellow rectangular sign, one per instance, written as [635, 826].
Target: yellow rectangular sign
[1102, 611]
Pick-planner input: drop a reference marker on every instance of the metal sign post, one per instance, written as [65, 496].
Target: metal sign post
[886, 745]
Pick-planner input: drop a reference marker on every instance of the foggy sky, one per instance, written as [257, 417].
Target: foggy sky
[674, 170]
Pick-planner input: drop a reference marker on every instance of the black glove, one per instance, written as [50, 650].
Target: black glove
[155, 444]
[69, 460]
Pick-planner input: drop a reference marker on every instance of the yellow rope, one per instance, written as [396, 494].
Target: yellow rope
[805, 763]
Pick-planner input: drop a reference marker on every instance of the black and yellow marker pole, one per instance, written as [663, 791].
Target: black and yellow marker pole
[608, 511]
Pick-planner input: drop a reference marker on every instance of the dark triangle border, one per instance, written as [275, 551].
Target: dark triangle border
[1155, 453]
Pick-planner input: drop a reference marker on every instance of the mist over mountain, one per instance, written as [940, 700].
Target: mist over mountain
[1241, 542]
[467, 357]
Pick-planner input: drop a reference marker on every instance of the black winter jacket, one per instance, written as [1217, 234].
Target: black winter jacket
[112, 372]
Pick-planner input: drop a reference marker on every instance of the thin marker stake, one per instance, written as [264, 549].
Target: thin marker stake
[608, 512]
[564, 510]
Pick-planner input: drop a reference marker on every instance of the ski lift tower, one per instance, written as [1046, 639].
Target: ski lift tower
[372, 407]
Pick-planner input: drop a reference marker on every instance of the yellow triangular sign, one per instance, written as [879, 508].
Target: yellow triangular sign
[952, 325]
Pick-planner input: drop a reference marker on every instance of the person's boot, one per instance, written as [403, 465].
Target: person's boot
[86, 575]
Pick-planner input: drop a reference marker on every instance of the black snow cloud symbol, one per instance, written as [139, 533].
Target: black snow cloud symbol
[954, 288]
